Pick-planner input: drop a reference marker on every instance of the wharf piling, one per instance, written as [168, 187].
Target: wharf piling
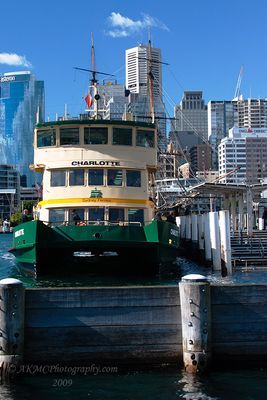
[196, 322]
[208, 239]
[11, 325]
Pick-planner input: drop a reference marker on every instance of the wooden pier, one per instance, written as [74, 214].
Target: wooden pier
[134, 325]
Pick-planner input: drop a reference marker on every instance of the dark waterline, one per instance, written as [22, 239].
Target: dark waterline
[160, 383]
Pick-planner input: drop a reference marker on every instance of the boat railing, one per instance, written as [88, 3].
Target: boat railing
[87, 223]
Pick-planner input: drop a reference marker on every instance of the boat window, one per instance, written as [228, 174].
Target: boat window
[122, 136]
[145, 138]
[116, 214]
[76, 177]
[58, 178]
[76, 216]
[96, 214]
[95, 135]
[46, 138]
[69, 136]
[114, 177]
[133, 178]
[57, 216]
[135, 215]
[96, 177]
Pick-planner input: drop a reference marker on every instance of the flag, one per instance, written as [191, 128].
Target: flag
[89, 101]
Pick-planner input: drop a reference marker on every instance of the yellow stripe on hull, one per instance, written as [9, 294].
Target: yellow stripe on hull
[95, 200]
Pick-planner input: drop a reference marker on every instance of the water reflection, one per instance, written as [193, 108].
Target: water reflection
[192, 387]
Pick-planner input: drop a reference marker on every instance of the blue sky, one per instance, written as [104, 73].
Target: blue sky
[205, 42]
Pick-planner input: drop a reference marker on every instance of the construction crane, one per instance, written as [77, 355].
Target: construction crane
[238, 83]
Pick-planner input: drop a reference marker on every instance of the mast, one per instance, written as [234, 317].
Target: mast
[93, 79]
[93, 96]
[150, 81]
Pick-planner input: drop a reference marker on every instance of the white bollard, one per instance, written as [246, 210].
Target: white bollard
[188, 234]
[215, 240]
[226, 254]
[183, 220]
[207, 243]
[200, 222]
[178, 223]
[194, 229]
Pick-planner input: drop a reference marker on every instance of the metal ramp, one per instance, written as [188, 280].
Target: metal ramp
[249, 252]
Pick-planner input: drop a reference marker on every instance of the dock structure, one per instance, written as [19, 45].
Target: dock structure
[194, 323]
[249, 251]
[220, 247]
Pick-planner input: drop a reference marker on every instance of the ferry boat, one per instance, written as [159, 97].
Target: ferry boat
[97, 205]
[98, 192]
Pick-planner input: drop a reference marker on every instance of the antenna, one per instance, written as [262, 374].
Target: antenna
[92, 96]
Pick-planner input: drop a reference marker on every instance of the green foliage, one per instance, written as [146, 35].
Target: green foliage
[16, 219]
[28, 204]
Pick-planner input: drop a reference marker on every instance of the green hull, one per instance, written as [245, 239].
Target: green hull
[45, 249]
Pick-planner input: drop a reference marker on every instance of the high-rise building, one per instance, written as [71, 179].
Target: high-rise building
[21, 100]
[191, 115]
[200, 157]
[245, 148]
[137, 69]
[238, 113]
[139, 60]
[9, 190]
[251, 113]
[220, 120]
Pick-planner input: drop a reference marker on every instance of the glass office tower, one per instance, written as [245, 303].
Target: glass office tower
[21, 100]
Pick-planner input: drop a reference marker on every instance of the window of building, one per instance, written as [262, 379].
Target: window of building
[116, 214]
[122, 136]
[95, 135]
[76, 177]
[96, 177]
[46, 138]
[114, 177]
[135, 215]
[69, 136]
[58, 178]
[96, 214]
[145, 138]
[133, 178]
[57, 215]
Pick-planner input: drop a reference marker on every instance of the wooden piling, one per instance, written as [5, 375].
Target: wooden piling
[196, 322]
[11, 325]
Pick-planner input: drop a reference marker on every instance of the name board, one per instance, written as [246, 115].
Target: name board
[7, 79]
[101, 163]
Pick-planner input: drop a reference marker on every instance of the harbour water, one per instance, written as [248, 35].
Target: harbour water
[112, 382]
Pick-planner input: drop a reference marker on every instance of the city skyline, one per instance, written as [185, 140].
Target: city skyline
[204, 44]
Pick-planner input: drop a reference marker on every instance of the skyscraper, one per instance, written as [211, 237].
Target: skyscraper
[21, 99]
[137, 69]
[139, 60]
[191, 114]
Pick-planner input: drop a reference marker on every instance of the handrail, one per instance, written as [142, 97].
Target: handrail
[89, 222]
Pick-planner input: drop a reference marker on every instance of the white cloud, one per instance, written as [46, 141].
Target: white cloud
[124, 26]
[14, 59]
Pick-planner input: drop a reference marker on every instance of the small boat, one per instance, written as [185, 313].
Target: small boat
[98, 190]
